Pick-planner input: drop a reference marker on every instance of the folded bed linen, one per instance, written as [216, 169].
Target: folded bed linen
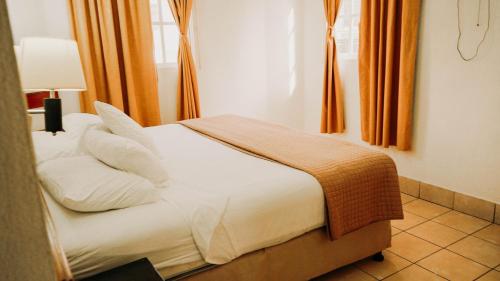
[265, 203]
[361, 186]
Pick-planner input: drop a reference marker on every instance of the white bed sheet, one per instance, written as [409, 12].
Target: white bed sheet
[96, 242]
[267, 203]
[221, 203]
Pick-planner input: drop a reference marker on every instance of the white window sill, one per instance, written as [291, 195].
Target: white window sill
[166, 65]
[348, 56]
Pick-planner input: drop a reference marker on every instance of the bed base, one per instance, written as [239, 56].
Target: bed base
[302, 258]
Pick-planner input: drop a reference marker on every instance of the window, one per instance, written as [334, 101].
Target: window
[165, 33]
[347, 29]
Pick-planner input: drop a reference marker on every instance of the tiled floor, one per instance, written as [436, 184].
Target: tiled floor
[432, 243]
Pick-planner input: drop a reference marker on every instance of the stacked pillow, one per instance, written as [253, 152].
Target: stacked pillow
[108, 164]
[124, 154]
[63, 144]
[85, 184]
[122, 125]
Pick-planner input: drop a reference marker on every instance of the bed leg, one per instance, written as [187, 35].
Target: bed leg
[379, 257]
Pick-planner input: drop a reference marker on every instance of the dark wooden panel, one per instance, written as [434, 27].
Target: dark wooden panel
[35, 100]
[140, 270]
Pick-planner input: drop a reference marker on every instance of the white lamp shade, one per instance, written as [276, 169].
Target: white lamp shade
[50, 64]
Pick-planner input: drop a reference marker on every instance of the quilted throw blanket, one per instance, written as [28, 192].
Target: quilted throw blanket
[360, 185]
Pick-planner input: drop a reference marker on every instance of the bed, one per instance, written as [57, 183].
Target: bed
[267, 219]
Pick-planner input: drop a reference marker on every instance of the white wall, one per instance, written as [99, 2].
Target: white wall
[250, 55]
[26, 19]
[243, 54]
[167, 93]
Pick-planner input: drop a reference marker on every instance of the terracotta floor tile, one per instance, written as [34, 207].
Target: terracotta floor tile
[394, 231]
[420, 239]
[425, 209]
[411, 248]
[490, 276]
[490, 233]
[409, 221]
[462, 222]
[437, 233]
[405, 198]
[347, 273]
[452, 266]
[478, 250]
[391, 264]
[413, 273]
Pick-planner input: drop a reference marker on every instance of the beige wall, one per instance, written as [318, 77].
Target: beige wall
[457, 103]
[244, 54]
[252, 59]
[167, 92]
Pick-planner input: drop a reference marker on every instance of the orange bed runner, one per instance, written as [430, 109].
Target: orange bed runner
[360, 185]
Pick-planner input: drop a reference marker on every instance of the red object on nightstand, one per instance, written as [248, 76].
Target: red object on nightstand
[35, 100]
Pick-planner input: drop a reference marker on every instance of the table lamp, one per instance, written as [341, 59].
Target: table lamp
[50, 64]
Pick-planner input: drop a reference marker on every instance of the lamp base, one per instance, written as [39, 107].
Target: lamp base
[53, 115]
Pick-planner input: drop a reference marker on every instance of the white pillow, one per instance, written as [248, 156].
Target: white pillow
[84, 184]
[125, 154]
[75, 124]
[120, 124]
[63, 144]
[48, 147]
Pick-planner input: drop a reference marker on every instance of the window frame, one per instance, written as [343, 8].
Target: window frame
[349, 15]
[162, 23]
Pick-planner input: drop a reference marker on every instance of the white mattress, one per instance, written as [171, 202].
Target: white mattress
[96, 242]
[252, 203]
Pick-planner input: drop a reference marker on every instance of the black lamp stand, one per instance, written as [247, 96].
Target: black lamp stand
[53, 113]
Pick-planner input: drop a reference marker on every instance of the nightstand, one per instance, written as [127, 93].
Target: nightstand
[140, 270]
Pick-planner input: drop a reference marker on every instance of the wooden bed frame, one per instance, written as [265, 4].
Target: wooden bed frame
[302, 258]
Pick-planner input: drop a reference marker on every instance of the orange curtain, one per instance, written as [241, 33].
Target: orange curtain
[115, 40]
[387, 52]
[188, 104]
[332, 112]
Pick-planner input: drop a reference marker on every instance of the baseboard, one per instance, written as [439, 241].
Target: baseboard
[454, 200]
